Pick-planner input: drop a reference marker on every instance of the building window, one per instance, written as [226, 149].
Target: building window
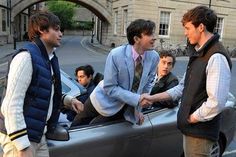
[125, 20]
[115, 22]
[4, 20]
[34, 7]
[219, 26]
[164, 23]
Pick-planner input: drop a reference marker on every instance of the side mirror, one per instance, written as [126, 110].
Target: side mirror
[58, 133]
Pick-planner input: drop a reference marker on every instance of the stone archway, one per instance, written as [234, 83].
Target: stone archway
[100, 9]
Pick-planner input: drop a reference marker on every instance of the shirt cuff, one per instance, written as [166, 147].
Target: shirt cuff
[135, 98]
[21, 142]
[67, 101]
[172, 94]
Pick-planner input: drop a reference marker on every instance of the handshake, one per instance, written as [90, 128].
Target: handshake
[146, 100]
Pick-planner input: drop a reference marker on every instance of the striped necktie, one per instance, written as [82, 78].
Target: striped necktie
[137, 73]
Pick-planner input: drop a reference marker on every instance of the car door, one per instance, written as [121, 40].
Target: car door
[117, 139]
[166, 139]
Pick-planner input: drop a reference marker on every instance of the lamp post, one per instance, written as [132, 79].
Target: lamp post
[92, 30]
[9, 14]
[209, 3]
[11, 24]
[14, 38]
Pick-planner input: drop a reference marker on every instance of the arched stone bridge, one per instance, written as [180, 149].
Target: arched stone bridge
[101, 8]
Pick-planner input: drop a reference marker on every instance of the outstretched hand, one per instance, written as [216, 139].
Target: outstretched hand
[145, 100]
[76, 105]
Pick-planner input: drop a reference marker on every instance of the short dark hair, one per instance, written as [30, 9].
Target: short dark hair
[201, 14]
[139, 26]
[166, 53]
[42, 20]
[88, 70]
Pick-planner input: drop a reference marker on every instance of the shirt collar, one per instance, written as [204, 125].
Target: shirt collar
[204, 48]
[135, 55]
[51, 54]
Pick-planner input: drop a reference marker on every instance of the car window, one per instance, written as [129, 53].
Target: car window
[151, 109]
[159, 106]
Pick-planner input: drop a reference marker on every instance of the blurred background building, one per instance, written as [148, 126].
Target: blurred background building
[111, 17]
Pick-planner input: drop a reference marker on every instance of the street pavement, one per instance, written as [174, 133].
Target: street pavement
[95, 46]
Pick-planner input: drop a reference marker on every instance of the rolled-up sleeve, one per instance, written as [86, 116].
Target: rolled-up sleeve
[217, 86]
[176, 92]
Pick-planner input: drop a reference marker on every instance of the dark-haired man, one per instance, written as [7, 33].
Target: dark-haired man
[84, 76]
[129, 72]
[165, 79]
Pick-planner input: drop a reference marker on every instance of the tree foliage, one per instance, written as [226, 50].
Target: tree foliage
[64, 10]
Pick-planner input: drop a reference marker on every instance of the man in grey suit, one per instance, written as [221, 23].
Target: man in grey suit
[116, 94]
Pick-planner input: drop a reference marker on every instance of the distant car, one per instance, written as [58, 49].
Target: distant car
[157, 136]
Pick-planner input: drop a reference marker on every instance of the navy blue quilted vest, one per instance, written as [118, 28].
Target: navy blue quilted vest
[37, 99]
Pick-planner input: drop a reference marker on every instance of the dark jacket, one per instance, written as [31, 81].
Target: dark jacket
[194, 92]
[70, 113]
[86, 95]
[165, 83]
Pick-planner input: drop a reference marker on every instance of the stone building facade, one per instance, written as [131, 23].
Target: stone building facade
[4, 21]
[115, 15]
[167, 15]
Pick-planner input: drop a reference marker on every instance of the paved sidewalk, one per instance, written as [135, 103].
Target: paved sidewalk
[9, 48]
[95, 46]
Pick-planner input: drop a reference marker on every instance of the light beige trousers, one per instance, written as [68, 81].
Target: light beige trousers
[197, 147]
[9, 150]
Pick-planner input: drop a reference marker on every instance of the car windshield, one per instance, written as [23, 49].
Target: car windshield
[65, 88]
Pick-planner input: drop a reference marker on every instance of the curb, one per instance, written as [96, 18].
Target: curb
[95, 46]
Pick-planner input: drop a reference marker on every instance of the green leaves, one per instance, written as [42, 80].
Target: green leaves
[64, 10]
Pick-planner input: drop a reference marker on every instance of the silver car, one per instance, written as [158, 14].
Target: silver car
[158, 136]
